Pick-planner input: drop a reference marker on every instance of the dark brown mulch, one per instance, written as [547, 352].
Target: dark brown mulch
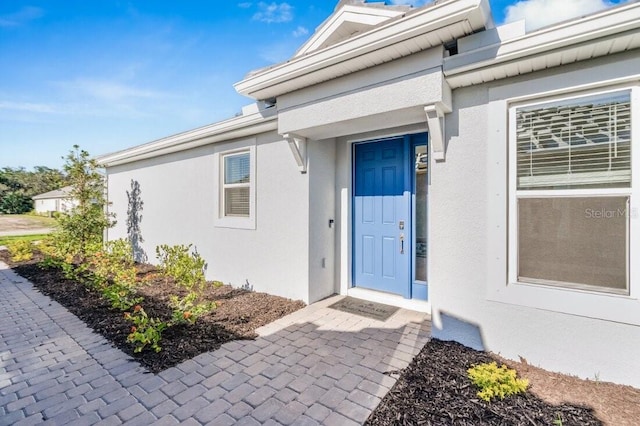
[435, 390]
[238, 315]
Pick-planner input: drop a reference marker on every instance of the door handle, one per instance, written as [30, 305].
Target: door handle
[401, 243]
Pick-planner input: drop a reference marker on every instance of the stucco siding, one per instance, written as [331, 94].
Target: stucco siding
[44, 206]
[180, 206]
[352, 104]
[322, 164]
[469, 289]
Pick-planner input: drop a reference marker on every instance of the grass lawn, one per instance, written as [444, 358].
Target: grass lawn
[6, 240]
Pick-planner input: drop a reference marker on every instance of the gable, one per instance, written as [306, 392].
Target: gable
[350, 17]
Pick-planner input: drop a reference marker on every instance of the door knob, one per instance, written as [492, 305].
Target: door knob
[402, 243]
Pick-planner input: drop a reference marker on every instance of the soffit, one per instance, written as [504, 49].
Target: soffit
[420, 29]
[612, 31]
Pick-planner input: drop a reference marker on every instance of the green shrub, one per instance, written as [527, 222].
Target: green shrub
[115, 275]
[20, 250]
[186, 267]
[495, 381]
[186, 311]
[145, 331]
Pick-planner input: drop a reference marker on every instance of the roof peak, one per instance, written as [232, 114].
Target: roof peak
[351, 17]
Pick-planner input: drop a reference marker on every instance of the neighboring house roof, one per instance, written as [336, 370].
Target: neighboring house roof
[56, 193]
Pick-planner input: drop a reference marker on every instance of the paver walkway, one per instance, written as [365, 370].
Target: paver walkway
[315, 366]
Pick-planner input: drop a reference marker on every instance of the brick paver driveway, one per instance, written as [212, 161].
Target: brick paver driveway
[315, 366]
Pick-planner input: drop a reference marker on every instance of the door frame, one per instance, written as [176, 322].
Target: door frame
[411, 140]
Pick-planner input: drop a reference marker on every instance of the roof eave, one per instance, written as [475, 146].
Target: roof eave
[237, 127]
[490, 63]
[433, 18]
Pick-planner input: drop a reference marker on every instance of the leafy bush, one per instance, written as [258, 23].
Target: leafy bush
[121, 292]
[186, 311]
[186, 267]
[114, 273]
[15, 202]
[20, 250]
[495, 381]
[145, 331]
[116, 258]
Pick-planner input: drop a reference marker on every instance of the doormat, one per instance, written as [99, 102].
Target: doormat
[364, 308]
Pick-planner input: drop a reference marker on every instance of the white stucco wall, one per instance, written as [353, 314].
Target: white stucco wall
[471, 299]
[387, 96]
[180, 205]
[44, 206]
[52, 205]
[321, 171]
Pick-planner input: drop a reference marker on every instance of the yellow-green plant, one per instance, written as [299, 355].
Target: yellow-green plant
[20, 250]
[496, 382]
[186, 310]
[185, 266]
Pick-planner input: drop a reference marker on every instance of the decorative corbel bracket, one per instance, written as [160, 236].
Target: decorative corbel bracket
[435, 122]
[298, 146]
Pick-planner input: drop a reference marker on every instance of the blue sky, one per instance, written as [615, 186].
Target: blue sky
[108, 75]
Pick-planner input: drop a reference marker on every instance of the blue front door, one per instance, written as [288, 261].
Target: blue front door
[381, 216]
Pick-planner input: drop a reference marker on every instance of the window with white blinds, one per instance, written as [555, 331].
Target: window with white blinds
[572, 191]
[237, 184]
[578, 143]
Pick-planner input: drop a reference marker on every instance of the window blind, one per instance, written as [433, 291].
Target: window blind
[575, 143]
[236, 169]
[237, 201]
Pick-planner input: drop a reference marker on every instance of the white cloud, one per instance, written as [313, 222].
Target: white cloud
[28, 107]
[109, 90]
[273, 12]
[24, 15]
[245, 5]
[540, 13]
[300, 31]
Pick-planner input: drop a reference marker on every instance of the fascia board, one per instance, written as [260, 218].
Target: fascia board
[237, 127]
[432, 18]
[589, 29]
[348, 13]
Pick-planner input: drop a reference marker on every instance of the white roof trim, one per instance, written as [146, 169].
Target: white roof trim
[348, 13]
[435, 18]
[237, 127]
[571, 41]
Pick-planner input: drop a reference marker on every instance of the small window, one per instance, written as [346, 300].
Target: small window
[572, 192]
[237, 185]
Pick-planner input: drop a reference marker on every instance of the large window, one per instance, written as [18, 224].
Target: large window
[571, 192]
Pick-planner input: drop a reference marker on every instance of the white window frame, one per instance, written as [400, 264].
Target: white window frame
[225, 186]
[586, 302]
[239, 222]
[516, 194]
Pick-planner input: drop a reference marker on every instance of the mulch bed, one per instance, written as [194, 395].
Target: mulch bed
[239, 313]
[435, 390]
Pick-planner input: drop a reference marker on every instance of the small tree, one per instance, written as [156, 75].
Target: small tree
[81, 231]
